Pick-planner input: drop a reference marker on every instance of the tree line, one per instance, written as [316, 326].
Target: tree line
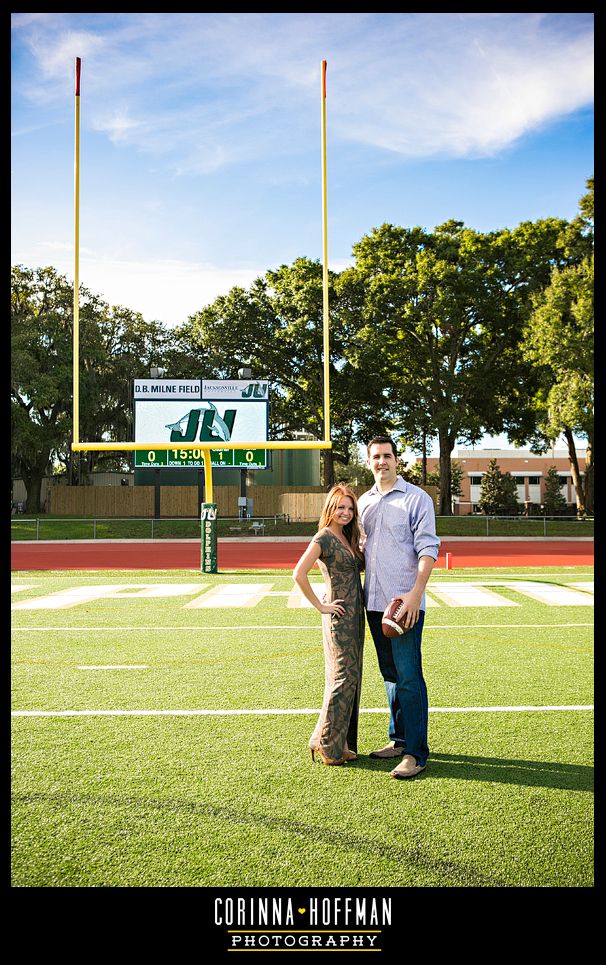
[434, 335]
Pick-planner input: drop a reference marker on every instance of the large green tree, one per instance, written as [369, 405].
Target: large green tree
[116, 345]
[558, 341]
[438, 318]
[41, 356]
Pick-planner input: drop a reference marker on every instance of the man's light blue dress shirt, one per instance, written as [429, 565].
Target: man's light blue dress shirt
[400, 527]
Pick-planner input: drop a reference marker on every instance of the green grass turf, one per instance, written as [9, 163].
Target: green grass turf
[234, 801]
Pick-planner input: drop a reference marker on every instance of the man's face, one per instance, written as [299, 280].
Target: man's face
[382, 463]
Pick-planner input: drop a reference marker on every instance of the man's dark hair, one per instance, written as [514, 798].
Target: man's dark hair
[380, 440]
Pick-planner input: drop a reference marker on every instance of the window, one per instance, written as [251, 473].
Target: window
[534, 480]
[475, 480]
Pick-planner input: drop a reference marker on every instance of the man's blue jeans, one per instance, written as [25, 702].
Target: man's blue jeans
[400, 666]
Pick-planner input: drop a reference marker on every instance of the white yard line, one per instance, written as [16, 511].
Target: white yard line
[116, 666]
[230, 595]
[553, 594]
[469, 595]
[475, 593]
[316, 626]
[275, 712]
[199, 627]
[76, 596]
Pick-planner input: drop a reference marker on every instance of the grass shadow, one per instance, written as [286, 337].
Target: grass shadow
[419, 856]
[565, 777]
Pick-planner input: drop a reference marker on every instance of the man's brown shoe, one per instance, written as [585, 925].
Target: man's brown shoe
[407, 768]
[390, 750]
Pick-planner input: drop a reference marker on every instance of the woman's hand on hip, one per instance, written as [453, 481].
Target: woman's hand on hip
[335, 607]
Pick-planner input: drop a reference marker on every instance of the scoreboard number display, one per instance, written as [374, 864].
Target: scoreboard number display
[194, 458]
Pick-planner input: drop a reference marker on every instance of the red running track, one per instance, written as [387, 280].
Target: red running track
[249, 554]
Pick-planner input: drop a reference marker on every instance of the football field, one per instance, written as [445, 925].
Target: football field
[161, 718]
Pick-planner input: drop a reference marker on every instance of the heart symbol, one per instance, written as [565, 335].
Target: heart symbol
[301, 911]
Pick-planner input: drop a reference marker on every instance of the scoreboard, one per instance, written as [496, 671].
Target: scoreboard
[194, 410]
[194, 458]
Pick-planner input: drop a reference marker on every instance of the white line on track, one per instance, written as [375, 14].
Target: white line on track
[274, 712]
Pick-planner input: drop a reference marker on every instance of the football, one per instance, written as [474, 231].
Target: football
[393, 619]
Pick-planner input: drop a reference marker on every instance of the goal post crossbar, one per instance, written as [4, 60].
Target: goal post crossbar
[205, 447]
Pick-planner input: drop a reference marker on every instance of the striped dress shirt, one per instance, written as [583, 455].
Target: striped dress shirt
[400, 527]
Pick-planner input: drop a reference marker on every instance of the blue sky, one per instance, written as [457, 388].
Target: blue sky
[200, 138]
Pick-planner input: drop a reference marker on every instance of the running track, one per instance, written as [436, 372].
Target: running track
[261, 554]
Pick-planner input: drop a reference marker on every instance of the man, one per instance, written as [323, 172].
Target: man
[401, 549]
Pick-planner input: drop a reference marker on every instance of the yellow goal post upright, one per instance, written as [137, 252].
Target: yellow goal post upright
[205, 447]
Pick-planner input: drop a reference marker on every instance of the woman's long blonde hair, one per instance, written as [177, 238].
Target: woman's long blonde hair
[352, 530]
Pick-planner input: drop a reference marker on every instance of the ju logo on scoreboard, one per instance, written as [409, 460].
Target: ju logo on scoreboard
[203, 424]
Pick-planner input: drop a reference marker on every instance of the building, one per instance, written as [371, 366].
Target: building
[528, 469]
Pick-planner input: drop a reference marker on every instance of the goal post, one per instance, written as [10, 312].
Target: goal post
[205, 448]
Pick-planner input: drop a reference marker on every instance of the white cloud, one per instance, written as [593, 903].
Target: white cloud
[116, 124]
[420, 85]
[167, 290]
[465, 85]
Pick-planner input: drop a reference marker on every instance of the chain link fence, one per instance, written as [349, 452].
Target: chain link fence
[65, 528]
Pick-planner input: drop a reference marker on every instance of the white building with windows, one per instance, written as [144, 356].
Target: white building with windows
[528, 470]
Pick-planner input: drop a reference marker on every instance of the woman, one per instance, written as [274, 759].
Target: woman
[336, 549]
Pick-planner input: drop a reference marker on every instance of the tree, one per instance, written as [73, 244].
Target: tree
[116, 345]
[439, 318]
[414, 474]
[355, 472]
[558, 342]
[498, 493]
[553, 500]
[276, 327]
[41, 355]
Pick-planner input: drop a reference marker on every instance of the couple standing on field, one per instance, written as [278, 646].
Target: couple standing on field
[391, 533]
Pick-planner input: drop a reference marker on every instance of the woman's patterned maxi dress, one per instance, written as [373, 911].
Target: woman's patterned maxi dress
[343, 649]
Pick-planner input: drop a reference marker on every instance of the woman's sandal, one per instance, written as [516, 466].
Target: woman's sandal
[324, 759]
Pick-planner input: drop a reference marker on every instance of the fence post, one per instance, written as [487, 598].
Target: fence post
[487, 518]
[94, 528]
[37, 527]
